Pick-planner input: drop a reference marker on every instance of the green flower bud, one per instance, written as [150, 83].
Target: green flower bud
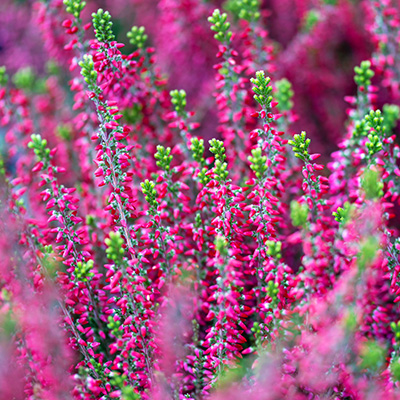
[137, 37]
[298, 213]
[262, 89]
[103, 26]
[220, 26]
[74, 7]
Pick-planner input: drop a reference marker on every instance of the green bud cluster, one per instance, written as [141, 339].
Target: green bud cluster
[83, 270]
[361, 129]
[164, 157]
[197, 148]
[273, 290]
[372, 185]
[39, 147]
[284, 94]
[298, 213]
[259, 330]
[249, 10]
[274, 249]
[203, 177]
[3, 76]
[221, 170]
[103, 26]
[198, 222]
[114, 244]
[262, 89]
[178, 99]
[149, 192]
[24, 79]
[300, 146]
[218, 149]
[137, 36]
[363, 74]
[342, 215]
[375, 121]
[114, 326]
[220, 26]
[2, 167]
[396, 330]
[221, 245]
[48, 249]
[258, 162]
[374, 145]
[74, 7]
[88, 72]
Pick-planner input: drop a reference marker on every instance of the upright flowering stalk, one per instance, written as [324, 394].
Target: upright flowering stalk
[311, 214]
[265, 211]
[224, 339]
[347, 160]
[112, 156]
[231, 93]
[257, 49]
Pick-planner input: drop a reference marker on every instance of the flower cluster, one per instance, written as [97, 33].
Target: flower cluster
[147, 253]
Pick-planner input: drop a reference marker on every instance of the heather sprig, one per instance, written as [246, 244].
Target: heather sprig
[115, 250]
[220, 169]
[74, 7]
[220, 26]
[362, 78]
[284, 94]
[300, 144]
[262, 90]
[218, 149]
[178, 99]
[103, 26]
[363, 75]
[298, 213]
[164, 158]
[88, 72]
[83, 270]
[248, 10]
[343, 214]
[197, 148]
[258, 162]
[148, 189]
[39, 146]
[137, 37]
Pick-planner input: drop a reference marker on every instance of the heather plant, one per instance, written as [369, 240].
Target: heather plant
[146, 255]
